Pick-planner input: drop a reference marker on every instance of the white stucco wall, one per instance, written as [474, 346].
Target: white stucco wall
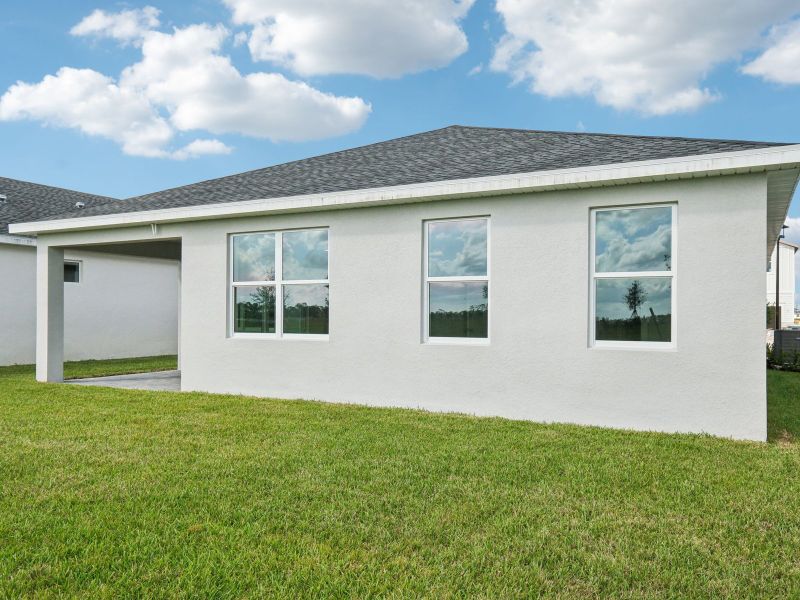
[538, 367]
[123, 306]
[787, 283]
[17, 304]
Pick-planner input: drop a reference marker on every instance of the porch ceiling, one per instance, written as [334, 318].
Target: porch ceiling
[166, 249]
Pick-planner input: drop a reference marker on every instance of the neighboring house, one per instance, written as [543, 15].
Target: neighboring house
[787, 287]
[115, 305]
[532, 275]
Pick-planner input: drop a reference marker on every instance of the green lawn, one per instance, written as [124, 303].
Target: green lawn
[114, 493]
[94, 368]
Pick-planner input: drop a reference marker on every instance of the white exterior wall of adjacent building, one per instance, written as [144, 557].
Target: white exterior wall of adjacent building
[538, 363]
[122, 307]
[17, 304]
[788, 253]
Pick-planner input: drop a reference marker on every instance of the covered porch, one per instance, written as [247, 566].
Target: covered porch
[125, 244]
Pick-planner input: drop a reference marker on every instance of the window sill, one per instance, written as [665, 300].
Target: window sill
[289, 337]
[635, 346]
[456, 342]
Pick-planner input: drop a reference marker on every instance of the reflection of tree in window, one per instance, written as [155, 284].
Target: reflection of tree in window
[637, 242]
[647, 321]
[302, 313]
[465, 317]
[635, 297]
[255, 313]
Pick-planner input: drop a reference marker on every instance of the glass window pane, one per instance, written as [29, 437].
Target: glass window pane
[305, 308]
[254, 257]
[635, 310]
[305, 254]
[637, 239]
[457, 248]
[254, 309]
[459, 309]
[72, 273]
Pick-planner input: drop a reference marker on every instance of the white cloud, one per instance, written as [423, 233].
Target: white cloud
[365, 37]
[125, 26]
[185, 72]
[780, 62]
[183, 83]
[201, 148]
[646, 55]
[93, 103]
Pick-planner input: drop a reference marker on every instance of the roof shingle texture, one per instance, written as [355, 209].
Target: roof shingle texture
[34, 202]
[454, 152]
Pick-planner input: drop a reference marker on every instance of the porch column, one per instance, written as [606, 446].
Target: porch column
[49, 314]
[180, 309]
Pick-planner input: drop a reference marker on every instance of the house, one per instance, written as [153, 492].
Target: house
[115, 305]
[536, 275]
[787, 282]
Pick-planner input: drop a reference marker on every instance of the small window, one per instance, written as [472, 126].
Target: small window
[633, 276]
[72, 272]
[279, 283]
[456, 304]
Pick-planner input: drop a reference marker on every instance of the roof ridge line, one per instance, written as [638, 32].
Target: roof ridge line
[625, 135]
[452, 126]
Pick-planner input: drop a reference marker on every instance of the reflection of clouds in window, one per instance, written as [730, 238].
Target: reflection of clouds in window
[449, 297]
[305, 294]
[305, 254]
[610, 297]
[458, 309]
[457, 248]
[634, 240]
[254, 257]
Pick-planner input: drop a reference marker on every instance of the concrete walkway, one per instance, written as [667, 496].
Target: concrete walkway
[165, 381]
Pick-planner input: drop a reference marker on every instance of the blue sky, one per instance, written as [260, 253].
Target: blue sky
[714, 70]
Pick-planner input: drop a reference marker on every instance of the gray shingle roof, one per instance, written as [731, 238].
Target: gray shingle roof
[34, 202]
[454, 152]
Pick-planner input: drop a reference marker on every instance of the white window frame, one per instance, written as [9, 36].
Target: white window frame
[672, 273]
[279, 284]
[79, 265]
[427, 280]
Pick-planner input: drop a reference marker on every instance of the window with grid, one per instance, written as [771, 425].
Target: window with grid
[456, 304]
[633, 276]
[279, 283]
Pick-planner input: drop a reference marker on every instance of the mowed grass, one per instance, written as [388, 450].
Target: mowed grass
[98, 368]
[114, 493]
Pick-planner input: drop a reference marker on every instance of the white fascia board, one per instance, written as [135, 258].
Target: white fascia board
[16, 240]
[792, 245]
[724, 163]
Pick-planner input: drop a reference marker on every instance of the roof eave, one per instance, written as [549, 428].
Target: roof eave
[706, 165]
[17, 240]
